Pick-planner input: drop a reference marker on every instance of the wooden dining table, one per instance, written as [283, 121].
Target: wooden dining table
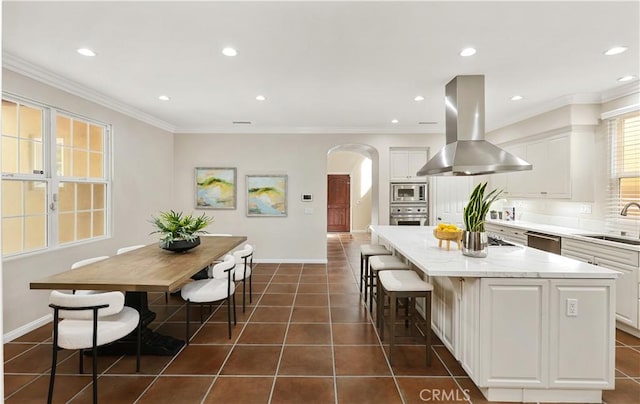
[147, 269]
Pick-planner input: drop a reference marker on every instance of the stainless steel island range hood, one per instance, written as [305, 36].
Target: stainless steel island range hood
[466, 151]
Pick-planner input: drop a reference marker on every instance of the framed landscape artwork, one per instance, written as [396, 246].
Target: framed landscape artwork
[267, 195]
[215, 188]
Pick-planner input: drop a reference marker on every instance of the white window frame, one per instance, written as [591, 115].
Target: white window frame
[50, 175]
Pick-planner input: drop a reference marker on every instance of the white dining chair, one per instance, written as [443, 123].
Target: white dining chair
[80, 264]
[219, 286]
[88, 321]
[123, 250]
[243, 270]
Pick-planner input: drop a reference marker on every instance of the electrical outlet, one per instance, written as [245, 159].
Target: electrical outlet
[572, 307]
[585, 208]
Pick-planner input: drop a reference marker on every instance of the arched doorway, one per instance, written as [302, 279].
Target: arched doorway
[360, 162]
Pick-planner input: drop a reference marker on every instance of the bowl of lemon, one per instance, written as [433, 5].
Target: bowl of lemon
[448, 233]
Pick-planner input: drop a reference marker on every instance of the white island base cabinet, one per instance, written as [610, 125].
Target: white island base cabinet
[530, 340]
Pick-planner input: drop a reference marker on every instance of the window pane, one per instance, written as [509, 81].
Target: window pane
[30, 156]
[80, 163]
[35, 232]
[98, 196]
[66, 227]
[9, 154]
[11, 235]
[84, 196]
[11, 198]
[63, 131]
[9, 118]
[35, 198]
[80, 135]
[66, 197]
[630, 192]
[96, 139]
[31, 121]
[98, 223]
[84, 225]
[63, 161]
[95, 165]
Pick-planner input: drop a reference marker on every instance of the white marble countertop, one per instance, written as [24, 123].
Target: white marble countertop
[421, 248]
[567, 232]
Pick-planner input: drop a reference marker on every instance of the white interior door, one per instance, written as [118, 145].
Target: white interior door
[451, 194]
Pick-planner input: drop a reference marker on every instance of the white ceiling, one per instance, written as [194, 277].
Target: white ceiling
[325, 66]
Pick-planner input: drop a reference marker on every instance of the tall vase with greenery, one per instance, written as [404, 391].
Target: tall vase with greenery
[179, 232]
[474, 238]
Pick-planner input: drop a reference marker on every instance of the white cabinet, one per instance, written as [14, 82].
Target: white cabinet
[540, 349]
[507, 233]
[406, 162]
[551, 173]
[518, 357]
[626, 262]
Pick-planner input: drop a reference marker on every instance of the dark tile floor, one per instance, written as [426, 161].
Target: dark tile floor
[305, 339]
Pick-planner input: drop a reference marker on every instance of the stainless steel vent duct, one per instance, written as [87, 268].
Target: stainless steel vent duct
[466, 151]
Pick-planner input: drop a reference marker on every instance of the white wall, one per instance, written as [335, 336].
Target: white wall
[142, 182]
[303, 157]
[346, 162]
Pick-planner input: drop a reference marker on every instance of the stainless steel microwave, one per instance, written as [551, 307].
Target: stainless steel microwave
[408, 192]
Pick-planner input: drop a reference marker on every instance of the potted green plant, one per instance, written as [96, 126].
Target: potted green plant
[179, 232]
[474, 238]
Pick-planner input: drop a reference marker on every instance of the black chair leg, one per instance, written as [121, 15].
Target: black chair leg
[235, 320]
[187, 333]
[95, 374]
[229, 315]
[81, 361]
[244, 284]
[250, 289]
[52, 377]
[166, 297]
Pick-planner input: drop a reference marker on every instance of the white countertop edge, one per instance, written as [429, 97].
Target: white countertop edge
[584, 270]
[568, 232]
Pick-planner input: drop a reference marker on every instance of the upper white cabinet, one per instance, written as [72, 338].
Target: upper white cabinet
[551, 173]
[405, 163]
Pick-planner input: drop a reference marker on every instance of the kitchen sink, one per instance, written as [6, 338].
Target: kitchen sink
[613, 238]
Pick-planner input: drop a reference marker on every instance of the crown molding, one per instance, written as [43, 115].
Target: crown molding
[574, 99]
[286, 130]
[633, 87]
[45, 76]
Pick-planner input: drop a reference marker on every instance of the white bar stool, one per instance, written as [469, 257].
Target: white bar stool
[404, 284]
[367, 251]
[381, 263]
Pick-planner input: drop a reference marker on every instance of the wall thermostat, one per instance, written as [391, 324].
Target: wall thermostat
[307, 197]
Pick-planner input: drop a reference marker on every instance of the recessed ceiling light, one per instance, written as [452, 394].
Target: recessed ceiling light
[468, 52]
[86, 52]
[516, 98]
[616, 50]
[626, 78]
[229, 52]
[394, 121]
[261, 97]
[419, 98]
[164, 98]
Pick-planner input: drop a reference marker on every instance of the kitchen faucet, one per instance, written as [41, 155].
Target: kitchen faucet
[625, 208]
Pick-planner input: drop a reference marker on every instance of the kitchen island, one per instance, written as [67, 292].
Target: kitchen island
[526, 325]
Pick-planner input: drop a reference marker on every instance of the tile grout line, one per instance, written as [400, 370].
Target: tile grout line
[331, 342]
[275, 376]
[235, 343]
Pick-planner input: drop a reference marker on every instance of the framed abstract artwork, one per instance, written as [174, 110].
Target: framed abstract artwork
[215, 188]
[267, 195]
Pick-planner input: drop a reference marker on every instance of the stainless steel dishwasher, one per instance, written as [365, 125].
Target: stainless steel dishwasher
[544, 242]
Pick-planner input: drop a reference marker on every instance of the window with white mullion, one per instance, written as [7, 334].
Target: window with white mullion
[55, 177]
[624, 170]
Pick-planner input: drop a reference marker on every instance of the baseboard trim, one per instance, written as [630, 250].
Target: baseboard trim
[27, 328]
[291, 261]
